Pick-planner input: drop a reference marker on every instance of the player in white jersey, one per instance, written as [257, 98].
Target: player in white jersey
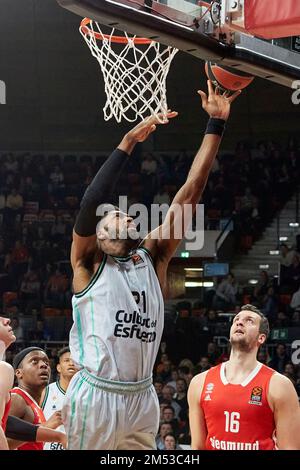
[118, 303]
[54, 394]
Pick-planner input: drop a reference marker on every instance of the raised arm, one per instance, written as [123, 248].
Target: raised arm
[284, 401]
[196, 416]
[163, 242]
[101, 188]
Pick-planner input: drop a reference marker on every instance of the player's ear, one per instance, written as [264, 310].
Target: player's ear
[19, 374]
[102, 234]
[262, 338]
[58, 368]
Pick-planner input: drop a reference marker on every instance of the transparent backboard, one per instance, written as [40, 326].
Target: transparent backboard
[191, 25]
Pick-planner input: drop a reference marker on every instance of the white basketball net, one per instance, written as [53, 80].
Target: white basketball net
[134, 75]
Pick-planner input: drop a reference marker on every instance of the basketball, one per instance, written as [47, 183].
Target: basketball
[226, 78]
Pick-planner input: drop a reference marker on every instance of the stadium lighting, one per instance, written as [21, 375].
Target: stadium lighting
[199, 284]
[193, 269]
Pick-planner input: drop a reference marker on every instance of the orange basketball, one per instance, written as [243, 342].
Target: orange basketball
[226, 78]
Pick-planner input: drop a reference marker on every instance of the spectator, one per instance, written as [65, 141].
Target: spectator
[286, 259]
[295, 301]
[158, 385]
[280, 358]
[169, 417]
[293, 272]
[180, 397]
[269, 305]
[14, 205]
[290, 373]
[30, 287]
[164, 428]
[212, 352]
[168, 393]
[56, 289]
[225, 297]
[164, 371]
[170, 442]
[162, 196]
[149, 165]
[262, 286]
[203, 365]
[172, 383]
[40, 332]
[17, 329]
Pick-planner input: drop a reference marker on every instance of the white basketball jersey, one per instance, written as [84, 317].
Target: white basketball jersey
[118, 319]
[53, 401]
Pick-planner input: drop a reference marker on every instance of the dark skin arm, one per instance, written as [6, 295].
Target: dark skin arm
[163, 242]
[85, 254]
[21, 410]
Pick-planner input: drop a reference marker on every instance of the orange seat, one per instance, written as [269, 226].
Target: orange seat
[52, 312]
[8, 297]
[67, 313]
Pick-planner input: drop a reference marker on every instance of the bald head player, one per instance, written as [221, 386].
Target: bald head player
[118, 307]
[242, 404]
[32, 371]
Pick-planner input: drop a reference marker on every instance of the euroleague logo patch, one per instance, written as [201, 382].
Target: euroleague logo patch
[256, 396]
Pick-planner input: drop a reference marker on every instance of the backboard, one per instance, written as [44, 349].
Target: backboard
[200, 28]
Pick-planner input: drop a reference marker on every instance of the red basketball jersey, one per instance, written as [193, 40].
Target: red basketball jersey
[5, 415]
[238, 417]
[38, 418]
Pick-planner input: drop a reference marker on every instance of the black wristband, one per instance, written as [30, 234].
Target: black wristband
[20, 430]
[215, 126]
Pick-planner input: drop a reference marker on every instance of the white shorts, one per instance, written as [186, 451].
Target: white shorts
[100, 414]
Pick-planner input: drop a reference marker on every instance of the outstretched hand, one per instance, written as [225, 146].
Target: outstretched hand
[215, 104]
[141, 132]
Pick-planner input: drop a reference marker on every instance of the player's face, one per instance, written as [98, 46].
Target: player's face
[35, 369]
[244, 332]
[117, 230]
[119, 226]
[6, 332]
[66, 367]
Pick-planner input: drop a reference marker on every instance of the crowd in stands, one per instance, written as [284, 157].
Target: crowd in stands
[39, 199]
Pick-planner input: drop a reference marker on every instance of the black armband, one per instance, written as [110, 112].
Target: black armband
[20, 430]
[98, 192]
[215, 126]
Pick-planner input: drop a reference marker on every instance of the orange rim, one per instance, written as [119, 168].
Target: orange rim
[118, 39]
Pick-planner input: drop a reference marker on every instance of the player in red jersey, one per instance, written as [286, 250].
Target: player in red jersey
[33, 373]
[7, 337]
[242, 404]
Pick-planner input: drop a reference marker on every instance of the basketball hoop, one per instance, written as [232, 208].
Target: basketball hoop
[134, 70]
